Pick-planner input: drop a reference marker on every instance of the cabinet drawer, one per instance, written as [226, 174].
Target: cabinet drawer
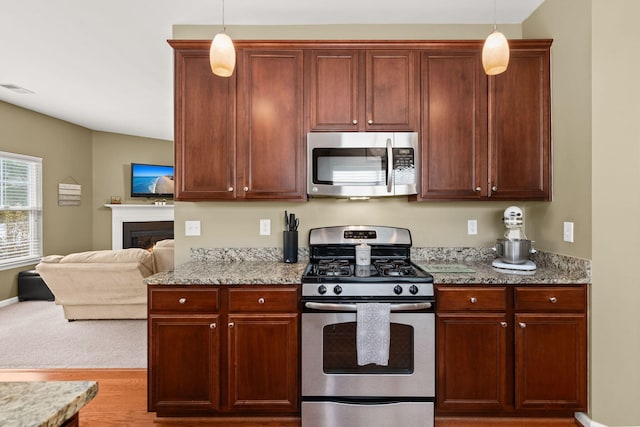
[183, 300]
[471, 299]
[550, 299]
[263, 300]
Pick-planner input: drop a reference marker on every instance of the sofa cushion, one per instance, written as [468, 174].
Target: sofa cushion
[141, 256]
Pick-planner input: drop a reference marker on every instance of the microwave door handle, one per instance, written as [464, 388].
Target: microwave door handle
[389, 164]
[352, 307]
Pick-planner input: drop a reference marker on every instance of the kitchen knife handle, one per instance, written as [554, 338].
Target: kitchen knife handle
[389, 164]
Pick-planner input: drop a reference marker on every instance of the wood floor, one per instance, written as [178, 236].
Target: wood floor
[122, 401]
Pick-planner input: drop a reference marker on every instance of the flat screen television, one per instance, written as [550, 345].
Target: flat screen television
[151, 180]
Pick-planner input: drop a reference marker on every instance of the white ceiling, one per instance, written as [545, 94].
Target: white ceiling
[105, 64]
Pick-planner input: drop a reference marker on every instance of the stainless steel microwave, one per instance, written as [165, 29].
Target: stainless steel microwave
[362, 164]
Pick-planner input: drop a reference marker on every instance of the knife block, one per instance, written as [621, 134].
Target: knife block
[290, 246]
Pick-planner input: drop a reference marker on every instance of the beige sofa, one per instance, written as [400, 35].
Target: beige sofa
[104, 284]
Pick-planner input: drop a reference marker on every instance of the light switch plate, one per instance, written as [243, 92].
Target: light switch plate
[567, 233]
[265, 227]
[472, 226]
[192, 228]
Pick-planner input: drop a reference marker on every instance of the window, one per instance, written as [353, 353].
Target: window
[20, 210]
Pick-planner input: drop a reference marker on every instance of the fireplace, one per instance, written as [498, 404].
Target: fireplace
[123, 214]
[145, 234]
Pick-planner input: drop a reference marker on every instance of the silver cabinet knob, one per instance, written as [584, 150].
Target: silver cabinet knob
[478, 189]
[212, 326]
[494, 188]
[553, 300]
[182, 300]
[260, 300]
[246, 189]
[504, 324]
[355, 122]
[370, 121]
[473, 300]
[522, 325]
[230, 189]
[231, 324]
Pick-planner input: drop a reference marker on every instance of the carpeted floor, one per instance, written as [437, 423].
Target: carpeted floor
[35, 334]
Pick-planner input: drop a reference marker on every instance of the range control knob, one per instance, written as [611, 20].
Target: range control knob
[413, 289]
[337, 289]
[322, 289]
[397, 289]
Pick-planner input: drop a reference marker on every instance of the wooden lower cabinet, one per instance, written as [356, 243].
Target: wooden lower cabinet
[227, 351]
[511, 350]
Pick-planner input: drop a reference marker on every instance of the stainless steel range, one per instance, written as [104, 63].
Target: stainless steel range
[367, 331]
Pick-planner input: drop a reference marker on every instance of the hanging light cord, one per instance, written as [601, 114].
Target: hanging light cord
[495, 15]
[224, 28]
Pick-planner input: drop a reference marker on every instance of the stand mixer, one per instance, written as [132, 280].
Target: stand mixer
[514, 249]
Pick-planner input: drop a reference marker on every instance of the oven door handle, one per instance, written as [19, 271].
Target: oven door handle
[352, 307]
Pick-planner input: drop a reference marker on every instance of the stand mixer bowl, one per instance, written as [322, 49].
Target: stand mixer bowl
[513, 251]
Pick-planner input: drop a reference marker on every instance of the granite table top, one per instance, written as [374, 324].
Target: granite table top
[43, 403]
[277, 272]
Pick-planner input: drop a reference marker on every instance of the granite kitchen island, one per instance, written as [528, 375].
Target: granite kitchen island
[44, 403]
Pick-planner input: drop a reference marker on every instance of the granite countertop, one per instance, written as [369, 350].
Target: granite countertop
[264, 266]
[483, 273]
[43, 403]
[231, 273]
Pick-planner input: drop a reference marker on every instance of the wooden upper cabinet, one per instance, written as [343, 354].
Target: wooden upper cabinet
[453, 125]
[204, 127]
[520, 125]
[270, 137]
[362, 90]
[486, 138]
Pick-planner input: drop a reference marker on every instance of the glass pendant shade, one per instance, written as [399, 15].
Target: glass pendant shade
[222, 55]
[495, 54]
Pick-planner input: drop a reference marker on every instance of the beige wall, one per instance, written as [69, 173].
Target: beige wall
[616, 206]
[66, 153]
[112, 157]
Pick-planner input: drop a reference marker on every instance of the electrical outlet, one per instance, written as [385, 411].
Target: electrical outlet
[567, 233]
[192, 228]
[265, 227]
[472, 226]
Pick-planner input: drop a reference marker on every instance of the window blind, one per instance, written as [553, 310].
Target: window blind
[20, 210]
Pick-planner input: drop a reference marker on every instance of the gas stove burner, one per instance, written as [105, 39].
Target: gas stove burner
[395, 268]
[334, 267]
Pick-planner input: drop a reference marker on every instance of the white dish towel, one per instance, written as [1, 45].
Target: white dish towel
[373, 333]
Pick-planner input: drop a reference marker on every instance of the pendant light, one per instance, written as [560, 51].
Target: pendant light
[222, 55]
[495, 52]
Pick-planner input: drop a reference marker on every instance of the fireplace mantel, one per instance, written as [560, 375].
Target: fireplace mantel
[135, 213]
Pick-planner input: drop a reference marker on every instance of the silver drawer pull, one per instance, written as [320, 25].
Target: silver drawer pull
[553, 300]
[182, 300]
[473, 300]
[260, 300]
[522, 325]
[504, 324]
[231, 324]
[213, 326]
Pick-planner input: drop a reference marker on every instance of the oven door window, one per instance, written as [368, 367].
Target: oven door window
[339, 352]
[350, 166]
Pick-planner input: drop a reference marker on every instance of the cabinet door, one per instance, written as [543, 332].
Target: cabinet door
[270, 138]
[183, 364]
[391, 95]
[472, 365]
[334, 104]
[263, 362]
[519, 128]
[550, 359]
[453, 126]
[204, 129]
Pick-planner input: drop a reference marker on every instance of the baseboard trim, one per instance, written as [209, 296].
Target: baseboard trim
[6, 302]
[585, 421]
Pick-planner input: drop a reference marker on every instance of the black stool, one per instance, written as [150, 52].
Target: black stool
[32, 287]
